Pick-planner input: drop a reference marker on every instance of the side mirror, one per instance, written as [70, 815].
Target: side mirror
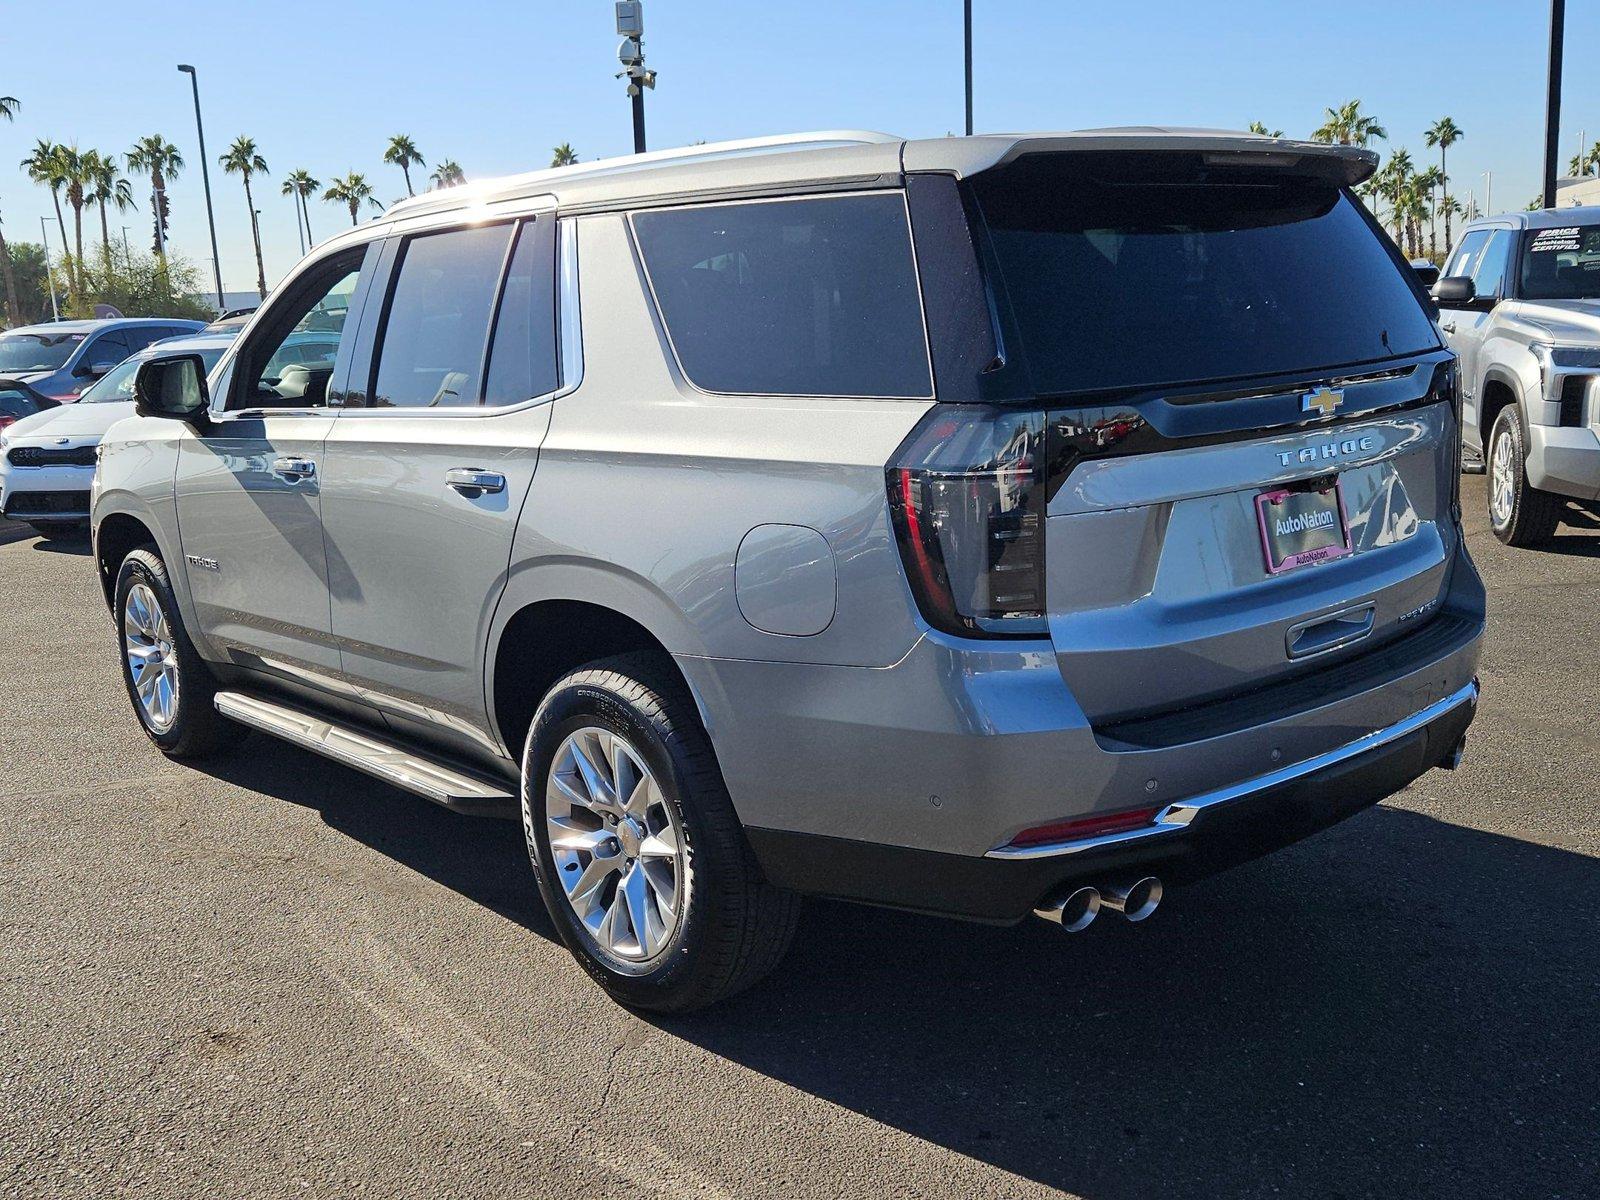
[1427, 273]
[1454, 291]
[173, 387]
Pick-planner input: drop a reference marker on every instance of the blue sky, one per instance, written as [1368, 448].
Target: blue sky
[495, 86]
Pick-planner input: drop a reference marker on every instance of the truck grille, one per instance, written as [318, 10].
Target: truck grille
[44, 456]
[45, 504]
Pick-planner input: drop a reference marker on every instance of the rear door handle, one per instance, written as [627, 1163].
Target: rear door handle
[294, 469]
[474, 481]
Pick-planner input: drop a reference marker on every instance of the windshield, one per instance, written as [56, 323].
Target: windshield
[22, 352]
[1140, 270]
[1561, 264]
[116, 385]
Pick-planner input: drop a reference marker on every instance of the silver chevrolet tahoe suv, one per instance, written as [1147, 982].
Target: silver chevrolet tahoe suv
[1520, 304]
[982, 526]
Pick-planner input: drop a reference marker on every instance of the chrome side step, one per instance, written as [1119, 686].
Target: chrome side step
[403, 768]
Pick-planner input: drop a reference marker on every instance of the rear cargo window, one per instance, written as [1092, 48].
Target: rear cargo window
[814, 297]
[1141, 270]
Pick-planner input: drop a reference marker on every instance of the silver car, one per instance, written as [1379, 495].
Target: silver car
[1520, 303]
[982, 526]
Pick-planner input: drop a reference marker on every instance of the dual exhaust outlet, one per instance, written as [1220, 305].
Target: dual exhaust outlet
[1076, 910]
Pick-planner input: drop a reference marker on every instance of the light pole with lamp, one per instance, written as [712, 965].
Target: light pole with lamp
[630, 24]
[205, 175]
[55, 313]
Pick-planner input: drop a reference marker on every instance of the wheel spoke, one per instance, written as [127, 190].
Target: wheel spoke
[564, 835]
[663, 885]
[637, 891]
[585, 890]
[660, 845]
[599, 787]
[573, 797]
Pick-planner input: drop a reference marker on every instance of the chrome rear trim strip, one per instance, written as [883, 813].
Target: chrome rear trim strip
[1178, 816]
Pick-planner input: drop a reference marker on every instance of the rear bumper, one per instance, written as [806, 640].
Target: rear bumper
[1189, 840]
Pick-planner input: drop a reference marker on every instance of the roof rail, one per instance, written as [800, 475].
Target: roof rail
[464, 194]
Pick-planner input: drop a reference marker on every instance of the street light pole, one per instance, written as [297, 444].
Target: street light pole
[967, 31]
[630, 24]
[205, 175]
[1552, 104]
[55, 313]
[125, 250]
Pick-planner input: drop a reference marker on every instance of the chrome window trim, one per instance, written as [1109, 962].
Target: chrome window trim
[786, 198]
[569, 339]
[1181, 814]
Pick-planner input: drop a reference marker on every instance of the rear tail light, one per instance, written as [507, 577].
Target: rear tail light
[1098, 825]
[967, 498]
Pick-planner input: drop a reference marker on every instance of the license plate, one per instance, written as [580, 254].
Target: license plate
[1302, 525]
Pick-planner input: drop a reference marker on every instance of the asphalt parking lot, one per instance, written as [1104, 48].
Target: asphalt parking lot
[271, 976]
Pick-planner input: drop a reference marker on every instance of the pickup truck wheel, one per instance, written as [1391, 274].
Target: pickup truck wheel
[168, 682]
[1519, 513]
[634, 842]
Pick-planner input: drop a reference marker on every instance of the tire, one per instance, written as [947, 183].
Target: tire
[716, 926]
[188, 725]
[1519, 513]
[53, 531]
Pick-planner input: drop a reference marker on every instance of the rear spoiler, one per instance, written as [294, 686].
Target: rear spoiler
[965, 157]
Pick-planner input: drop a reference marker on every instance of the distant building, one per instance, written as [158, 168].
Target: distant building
[231, 301]
[1581, 189]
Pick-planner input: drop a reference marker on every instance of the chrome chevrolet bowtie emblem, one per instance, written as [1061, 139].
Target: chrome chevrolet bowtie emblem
[1322, 401]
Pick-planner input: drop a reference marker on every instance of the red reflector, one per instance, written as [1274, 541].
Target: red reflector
[1085, 827]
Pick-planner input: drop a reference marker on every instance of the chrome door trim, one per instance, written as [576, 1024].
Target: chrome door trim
[1177, 817]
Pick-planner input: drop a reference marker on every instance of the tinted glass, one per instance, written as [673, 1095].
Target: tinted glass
[15, 404]
[107, 348]
[37, 351]
[796, 297]
[273, 373]
[1489, 272]
[1144, 270]
[431, 354]
[1466, 255]
[1561, 264]
[522, 359]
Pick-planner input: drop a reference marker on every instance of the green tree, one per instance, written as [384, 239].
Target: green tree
[8, 112]
[25, 262]
[403, 153]
[1258, 127]
[243, 159]
[8, 108]
[1444, 133]
[107, 186]
[300, 184]
[46, 165]
[448, 174]
[1428, 184]
[1347, 126]
[75, 175]
[353, 190]
[564, 155]
[160, 158]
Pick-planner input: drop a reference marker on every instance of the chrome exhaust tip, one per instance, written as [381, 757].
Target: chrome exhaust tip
[1074, 911]
[1135, 900]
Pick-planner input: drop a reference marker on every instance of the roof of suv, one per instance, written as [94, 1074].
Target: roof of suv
[844, 157]
[89, 326]
[1543, 218]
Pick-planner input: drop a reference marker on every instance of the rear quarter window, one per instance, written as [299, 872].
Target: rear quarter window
[805, 297]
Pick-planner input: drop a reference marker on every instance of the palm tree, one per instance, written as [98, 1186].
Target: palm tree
[1392, 183]
[107, 186]
[1586, 163]
[403, 153]
[45, 165]
[161, 159]
[76, 168]
[353, 190]
[243, 159]
[300, 185]
[565, 155]
[448, 174]
[1258, 127]
[8, 112]
[1428, 182]
[1348, 127]
[1444, 133]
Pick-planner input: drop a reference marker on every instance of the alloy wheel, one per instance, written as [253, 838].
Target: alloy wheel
[1502, 479]
[152, 656]
[618, 846]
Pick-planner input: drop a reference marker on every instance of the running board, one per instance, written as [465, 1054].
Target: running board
[405, 769]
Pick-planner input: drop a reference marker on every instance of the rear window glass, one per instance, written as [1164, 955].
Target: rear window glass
[1561, 264]
[1140, 270]
[814, 297]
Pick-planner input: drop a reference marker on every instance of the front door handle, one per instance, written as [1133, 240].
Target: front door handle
[474, 481]
[294, 469]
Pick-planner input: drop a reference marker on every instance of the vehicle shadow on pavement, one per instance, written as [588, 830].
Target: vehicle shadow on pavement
[1399, 1006]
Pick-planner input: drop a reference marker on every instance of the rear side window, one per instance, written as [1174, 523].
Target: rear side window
[813, 297]
[1147, 270]
[431, 350]
[522, 358]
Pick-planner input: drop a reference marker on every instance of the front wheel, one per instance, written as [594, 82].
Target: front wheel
[1519, 513]
[170, 685]
[634, 842]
